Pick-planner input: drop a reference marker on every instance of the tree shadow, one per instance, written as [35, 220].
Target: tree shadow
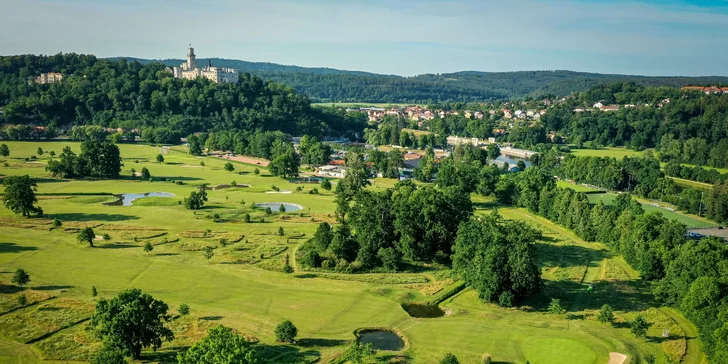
[166, 254]
[118, 246]
[565, 256]
[167, 355]
[396, 358]
[211, 318]
[485, 205]
[50, 288]
[49, 180]
[286, 354]
[324, 343]
[14, 248]
[71, 216]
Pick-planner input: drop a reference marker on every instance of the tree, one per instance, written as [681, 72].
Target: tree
[555, 307]
[56, 223]
[326, 184]
[286, 332]
[21, 277]
[52, 153]
[449, 358]
[39, 151]
[145, 174]
[229, 167]
[184, 309]
[281, 232]
[358, 352]
[22, 300]
[493, 151]
[196, 200]
[256, 171]
[160, 158]
[4, 150]
[497, 258]
[195, 145]
[208, 252]
[131, 321]
[282, 208]
[286, 163]
[148, 247]
[94, 292]
[639, 326]
[220, 346]
[109, 355]
[606, 314]
[86, 236]
[20, 194]
[521, 165]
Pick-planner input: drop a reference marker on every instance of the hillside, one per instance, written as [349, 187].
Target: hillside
[332, 85]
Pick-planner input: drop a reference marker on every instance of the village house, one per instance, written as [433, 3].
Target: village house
[50, 77]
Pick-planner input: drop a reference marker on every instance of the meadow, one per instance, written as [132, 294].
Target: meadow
[243, 285]
[614, 152]
[691, 221]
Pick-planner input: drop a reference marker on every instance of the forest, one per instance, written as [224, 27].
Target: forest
[132, 96]
[332, 85]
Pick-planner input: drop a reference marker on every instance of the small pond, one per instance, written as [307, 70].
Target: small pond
[126, 199]
[276, 206]
[423, 310]
[382, 340]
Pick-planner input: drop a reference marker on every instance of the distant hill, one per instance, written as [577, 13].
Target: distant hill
[333, 85]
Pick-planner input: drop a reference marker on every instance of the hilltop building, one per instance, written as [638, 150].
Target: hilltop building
[189, 70]
[50, 77]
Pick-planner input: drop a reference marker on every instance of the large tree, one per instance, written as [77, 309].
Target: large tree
[497, 258]
[87, 236]
[285, 163]
[132, 321]
[220, 346]
[20, 194]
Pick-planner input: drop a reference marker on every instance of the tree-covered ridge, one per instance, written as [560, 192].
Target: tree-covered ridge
[689, 127]
[129, 95]
[332, 85]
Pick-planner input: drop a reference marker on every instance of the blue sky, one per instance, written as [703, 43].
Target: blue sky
[405, 37]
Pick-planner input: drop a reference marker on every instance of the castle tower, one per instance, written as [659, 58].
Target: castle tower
[191, 65]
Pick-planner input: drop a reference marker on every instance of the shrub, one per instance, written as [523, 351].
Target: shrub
[94, 292]
[107, 237]
[506, 299]
[22, 300]
[202, 163]
[223, 242]
[184, 309]
[281, 232]
[299, 189]
[256, 171]
[313, 191]
[275, 188]
[233, 184]
[286, 332]
[246, 218]
[56, 223]
[268, 211]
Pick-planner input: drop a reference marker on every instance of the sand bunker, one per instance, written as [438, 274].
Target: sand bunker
[617, 358]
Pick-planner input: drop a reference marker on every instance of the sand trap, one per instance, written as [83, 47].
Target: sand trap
[98, 237]
[616, 358]
[284, 192]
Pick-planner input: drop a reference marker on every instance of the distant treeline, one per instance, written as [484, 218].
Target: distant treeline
[331, 85]
[129, 95]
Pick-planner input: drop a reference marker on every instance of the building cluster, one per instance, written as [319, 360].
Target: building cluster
[190, 71]
[419, 113]
[50, 77]
[707, 89]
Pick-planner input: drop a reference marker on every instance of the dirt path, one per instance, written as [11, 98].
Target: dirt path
[616, 358]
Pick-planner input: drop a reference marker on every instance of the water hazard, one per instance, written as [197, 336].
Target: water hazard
[382, 340]
[126, 199]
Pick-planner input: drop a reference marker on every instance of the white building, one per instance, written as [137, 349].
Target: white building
[190, 71]
[50, 77]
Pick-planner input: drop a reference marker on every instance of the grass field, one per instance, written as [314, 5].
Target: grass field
[618, 153]
[574, 186]
[243, 287]
[691, 221]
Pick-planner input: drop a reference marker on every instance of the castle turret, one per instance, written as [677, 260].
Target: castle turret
[191, 64]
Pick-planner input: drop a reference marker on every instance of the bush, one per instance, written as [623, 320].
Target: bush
[233, 184]
[107, 237]
[223, 242]
[313, 191]
[311, 259]
[328, 264]
[256, 171]
[109, 355]
[506, 299]
[286, 332]
[56, 223]
[202, 163]
[275, 188]
[22, 300]
[299, 189]
[268, 211]
[281, 232]
[246, 218]
[184, 309]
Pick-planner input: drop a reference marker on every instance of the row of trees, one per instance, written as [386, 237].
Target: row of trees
[643, 177]
[98, 159]
[697, 173]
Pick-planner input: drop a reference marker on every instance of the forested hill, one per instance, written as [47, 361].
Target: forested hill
[134, 96]
[332, 85]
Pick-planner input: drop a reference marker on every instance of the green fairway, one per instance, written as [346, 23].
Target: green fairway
[691, 221]
[618, 153]
[243, 285]
[574, 186]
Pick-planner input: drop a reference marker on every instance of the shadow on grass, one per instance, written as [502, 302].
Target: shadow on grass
[565, 256]
[50, 180]
[286, 354]
[485, 205]
[168, 355]
[72, 216]
[50, 288]
[118, 246]
[631, 295]
[396, 358]
[165, 254]
[211, 318]
[324, 343]
[15, 248]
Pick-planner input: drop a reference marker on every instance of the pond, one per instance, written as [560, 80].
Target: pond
[382, 340]
[125, 199]
[422, 310]
[276, 206]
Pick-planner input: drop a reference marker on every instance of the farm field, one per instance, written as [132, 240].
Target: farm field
[243, 285]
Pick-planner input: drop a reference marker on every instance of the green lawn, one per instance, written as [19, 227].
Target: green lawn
[618, 153]
[242, 286]
[575, 186]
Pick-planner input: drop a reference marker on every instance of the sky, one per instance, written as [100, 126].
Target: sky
[404, 37]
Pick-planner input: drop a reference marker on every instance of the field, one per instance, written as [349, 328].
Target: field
[618, 153]
[574, 186]
[243, 285]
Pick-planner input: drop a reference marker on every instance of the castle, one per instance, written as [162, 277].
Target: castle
[190, 71]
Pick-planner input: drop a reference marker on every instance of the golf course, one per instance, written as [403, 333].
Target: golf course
[230, 263]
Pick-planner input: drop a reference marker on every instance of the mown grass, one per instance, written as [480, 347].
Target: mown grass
[689, 220]
[253, 297]
[615, 152]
